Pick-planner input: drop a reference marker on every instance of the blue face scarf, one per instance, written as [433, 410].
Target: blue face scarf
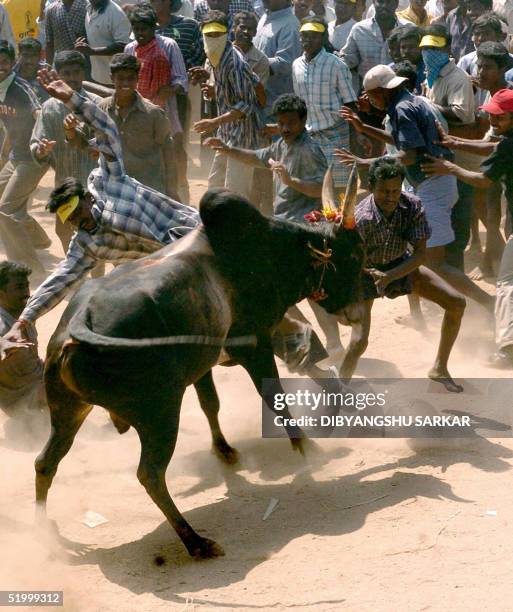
[434, 61]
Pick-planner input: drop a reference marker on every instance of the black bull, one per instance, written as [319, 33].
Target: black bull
[233, 277]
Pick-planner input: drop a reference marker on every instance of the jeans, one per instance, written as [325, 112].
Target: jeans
[231, 174]
[20, 232]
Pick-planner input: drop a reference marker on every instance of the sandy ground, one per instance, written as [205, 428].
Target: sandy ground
[369, 525]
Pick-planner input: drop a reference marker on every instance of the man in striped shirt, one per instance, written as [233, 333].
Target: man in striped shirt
[117, 219]
[324, 82]
[238, 123]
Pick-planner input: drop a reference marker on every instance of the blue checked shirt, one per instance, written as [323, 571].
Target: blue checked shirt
[385, 239]
[132, 219]
[325, 85]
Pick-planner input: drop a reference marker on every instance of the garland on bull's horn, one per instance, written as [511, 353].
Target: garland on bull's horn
[332, 213]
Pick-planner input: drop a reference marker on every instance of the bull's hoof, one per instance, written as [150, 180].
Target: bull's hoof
[206, 549]
[226, 453]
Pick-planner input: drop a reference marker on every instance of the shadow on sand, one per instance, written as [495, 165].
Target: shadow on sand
[158, 563]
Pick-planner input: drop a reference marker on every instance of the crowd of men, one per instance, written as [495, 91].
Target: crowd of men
[101, 93]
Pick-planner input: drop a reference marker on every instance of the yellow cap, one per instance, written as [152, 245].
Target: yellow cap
[209, 28]
[433, 41]
[312, 27]
[65, 210]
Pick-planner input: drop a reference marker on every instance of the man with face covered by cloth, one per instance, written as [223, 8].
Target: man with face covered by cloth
[239, 122]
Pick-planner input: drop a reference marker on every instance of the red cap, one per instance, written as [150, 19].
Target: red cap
[500, 103]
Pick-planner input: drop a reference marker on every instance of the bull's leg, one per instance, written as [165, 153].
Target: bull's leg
[209, 402]
[66, 418]
[158, 439]
[260, 364]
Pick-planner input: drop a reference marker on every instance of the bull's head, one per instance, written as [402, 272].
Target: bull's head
[341, 258]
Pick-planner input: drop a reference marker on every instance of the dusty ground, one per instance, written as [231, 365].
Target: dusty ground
[371, 525]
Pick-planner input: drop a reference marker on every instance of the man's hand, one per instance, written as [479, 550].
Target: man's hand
[16, 338]
[216, 144]
[208, 91]
[381, 280]
[71, 122]
[352, 118]
[163, 95]
[363, 103]
[206, 126]
[45, 147]
[281, 171]
[445, 139]
[83, 46]
[198, 75]
[53, 85]
[437, 166]
[348, 159]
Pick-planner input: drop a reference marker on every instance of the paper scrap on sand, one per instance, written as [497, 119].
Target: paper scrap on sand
[491, 513]
[270, 508]
[93, 519]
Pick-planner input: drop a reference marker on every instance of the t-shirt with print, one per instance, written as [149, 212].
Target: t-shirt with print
[17, 113]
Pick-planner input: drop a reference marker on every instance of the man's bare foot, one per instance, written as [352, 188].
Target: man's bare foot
[473, 247]
[414, 322]
[481, 273]
[442, 376]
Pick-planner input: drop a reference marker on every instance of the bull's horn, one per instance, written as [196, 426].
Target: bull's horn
[329, 200]
[349, 202]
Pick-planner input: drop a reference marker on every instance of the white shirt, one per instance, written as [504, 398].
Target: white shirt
[505, 9]
[338, 34]
[104, 29]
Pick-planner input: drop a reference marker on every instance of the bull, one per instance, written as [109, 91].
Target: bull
[132, 341]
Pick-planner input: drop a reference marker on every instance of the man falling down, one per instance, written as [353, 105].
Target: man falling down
[117, 219]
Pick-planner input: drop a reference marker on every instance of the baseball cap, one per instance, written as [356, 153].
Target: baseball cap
[382, 76]
[433, 41]
[500, 103]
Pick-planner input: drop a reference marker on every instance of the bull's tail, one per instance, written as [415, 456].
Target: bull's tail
[80, 332]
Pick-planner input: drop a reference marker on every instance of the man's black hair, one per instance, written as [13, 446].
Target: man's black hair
[29, 44]
[7, 49]
[123, 61]
[143, 13]
[69, 58]
[215, 17]
[12, 269]
[67, 189]
[496, 52]
[244, 15]
[385, 168]
[289, 103]
[407, 70]
[405, 31]
[438, 29]
[486, 3]
[490, 21]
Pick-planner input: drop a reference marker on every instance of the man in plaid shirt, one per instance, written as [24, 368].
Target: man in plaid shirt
[394, 230]
[118, 219]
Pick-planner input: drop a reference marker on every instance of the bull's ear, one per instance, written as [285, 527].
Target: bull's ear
[349, 202]
[329, 199]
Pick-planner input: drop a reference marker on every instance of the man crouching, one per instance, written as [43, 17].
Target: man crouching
[394, 229]
[21, 374]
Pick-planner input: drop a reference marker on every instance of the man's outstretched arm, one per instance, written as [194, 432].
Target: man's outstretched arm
[107, 139]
